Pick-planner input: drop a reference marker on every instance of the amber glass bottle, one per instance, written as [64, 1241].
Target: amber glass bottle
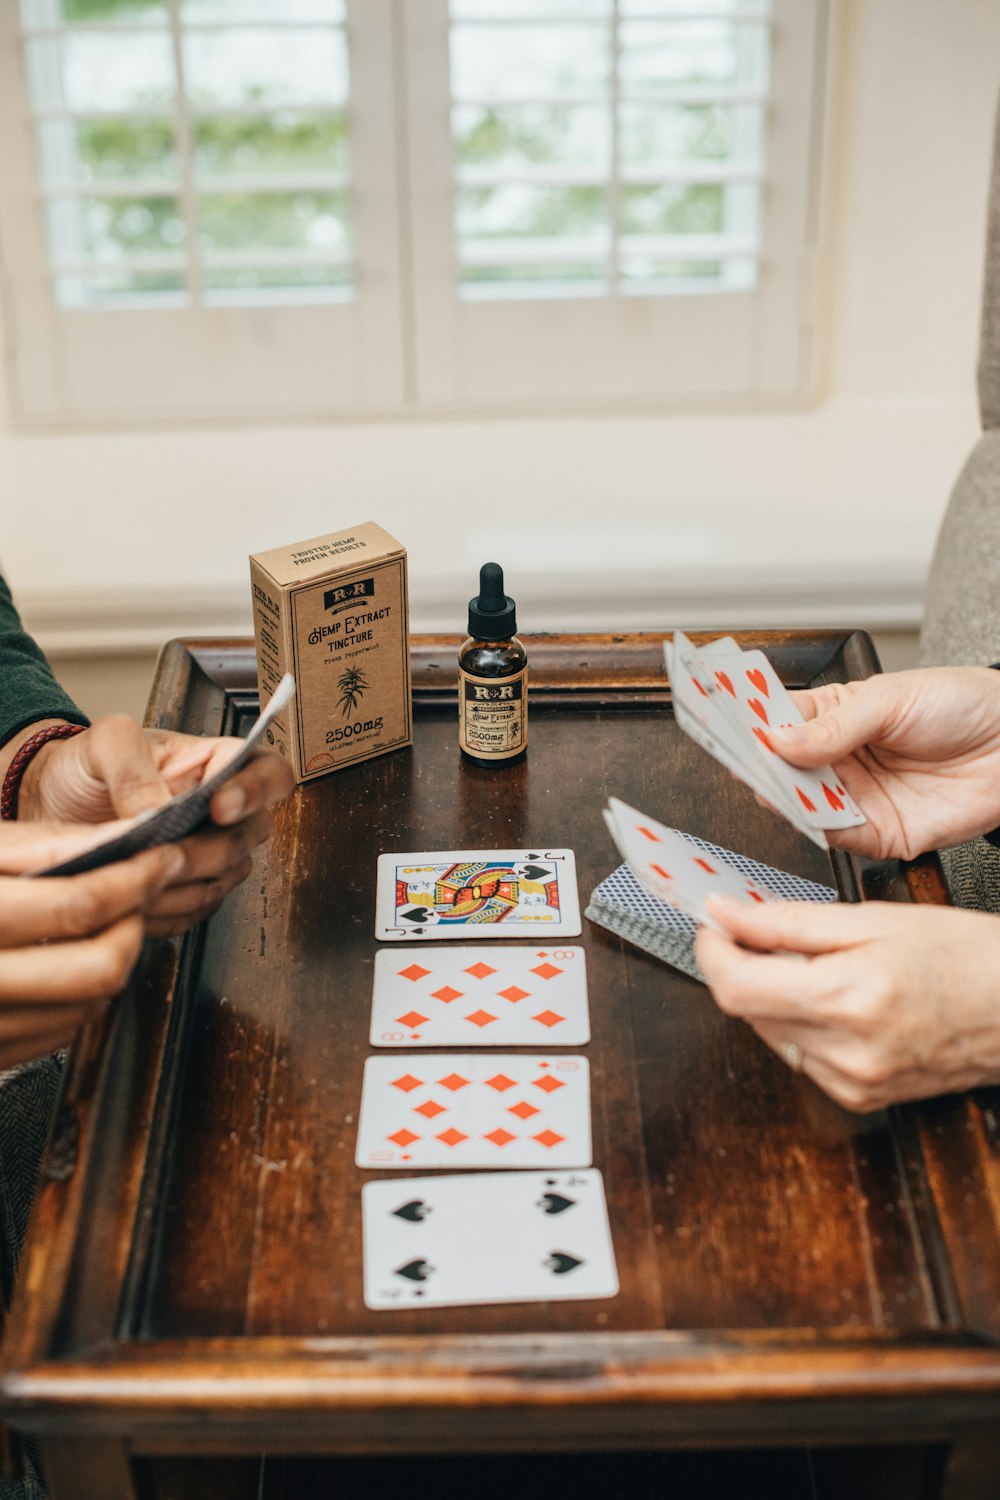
[492, 678]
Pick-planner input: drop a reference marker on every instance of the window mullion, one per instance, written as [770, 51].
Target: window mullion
[185, 151]
[615, 184]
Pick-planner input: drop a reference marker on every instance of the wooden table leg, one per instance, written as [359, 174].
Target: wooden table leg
[87, 1469]
[972, 1468]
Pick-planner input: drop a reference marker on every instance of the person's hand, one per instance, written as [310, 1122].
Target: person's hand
[918, 751]
[891, 1002]
[115, 769]
[66, 945]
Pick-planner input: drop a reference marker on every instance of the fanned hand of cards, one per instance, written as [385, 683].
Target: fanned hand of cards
[183, 814]
[728, 700]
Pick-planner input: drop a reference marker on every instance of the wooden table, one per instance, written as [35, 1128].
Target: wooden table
[790, 1274]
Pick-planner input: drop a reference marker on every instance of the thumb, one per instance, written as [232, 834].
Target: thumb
[810, 927]
[120, 756]
[831, 736]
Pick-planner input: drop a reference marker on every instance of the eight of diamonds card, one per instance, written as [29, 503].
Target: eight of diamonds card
[503, 1237]
[481, 1110]
[480, 997]
[477, 894]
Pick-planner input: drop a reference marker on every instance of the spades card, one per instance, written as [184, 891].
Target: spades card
[482, 1110]
[476, 894]
[480, 997]
[183, 814]
[491, 1237]
[674, 869]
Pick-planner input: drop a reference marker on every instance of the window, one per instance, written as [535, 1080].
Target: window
[606, 147]
[311, 206]
[184, 234]
[194, 152]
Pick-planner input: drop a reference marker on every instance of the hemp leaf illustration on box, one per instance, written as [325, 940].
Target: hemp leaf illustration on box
[353, 685]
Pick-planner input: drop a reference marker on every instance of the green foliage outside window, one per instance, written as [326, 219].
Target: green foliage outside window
[107, 10]
[276, 143]
[287, 142]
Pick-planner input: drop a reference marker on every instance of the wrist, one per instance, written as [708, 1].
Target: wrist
[30, 796]
[22, 765]
[992, 836]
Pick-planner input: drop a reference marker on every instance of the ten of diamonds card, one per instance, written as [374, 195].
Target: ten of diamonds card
[451, 1109]
[478, 893]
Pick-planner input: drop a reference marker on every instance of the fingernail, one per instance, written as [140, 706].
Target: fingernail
[173, 863]
[723, 902]
[790, 733]
[230, 804]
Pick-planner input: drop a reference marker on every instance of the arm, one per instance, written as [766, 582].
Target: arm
[30, 697]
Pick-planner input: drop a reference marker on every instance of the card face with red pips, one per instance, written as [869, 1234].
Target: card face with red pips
[730, 702]
[489, 996]
[672, 868]
[482, 1109]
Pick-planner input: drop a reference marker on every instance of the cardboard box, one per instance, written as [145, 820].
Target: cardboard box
[335, 611]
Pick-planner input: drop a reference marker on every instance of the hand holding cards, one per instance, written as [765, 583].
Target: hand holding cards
[728, 700]
[183, 814]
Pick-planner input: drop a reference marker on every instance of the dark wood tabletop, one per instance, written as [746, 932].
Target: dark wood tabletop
[790, 1273]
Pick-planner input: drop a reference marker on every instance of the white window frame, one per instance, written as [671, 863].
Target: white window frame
[618, 350]
[409, 344]
[97, 364]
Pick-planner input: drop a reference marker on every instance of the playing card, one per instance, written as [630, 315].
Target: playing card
[621, 904]
[186, 812]
[480, 997]
[478, 893]
[702, 718]
[492, 1237]
[482, 1110]
[670, 939]
[672, 868]
[752, 694]
[745, 698]
[721, 646]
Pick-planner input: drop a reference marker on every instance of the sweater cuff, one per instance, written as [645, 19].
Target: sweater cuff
[29, 691]
[67, 712]
[994, 837]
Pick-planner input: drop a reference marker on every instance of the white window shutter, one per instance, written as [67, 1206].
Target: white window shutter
[625, 336]
[212, 347]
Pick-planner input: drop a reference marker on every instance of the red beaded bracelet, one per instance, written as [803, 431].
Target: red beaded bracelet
[18, 766]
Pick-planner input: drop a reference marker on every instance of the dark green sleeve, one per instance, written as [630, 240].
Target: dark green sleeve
[28, 690]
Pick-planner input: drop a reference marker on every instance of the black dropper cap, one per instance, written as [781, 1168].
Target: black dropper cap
[492, 616]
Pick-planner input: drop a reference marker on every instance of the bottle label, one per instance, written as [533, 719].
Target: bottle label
[493, 715]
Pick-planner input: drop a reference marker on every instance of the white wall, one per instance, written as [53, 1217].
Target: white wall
[115, 540]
